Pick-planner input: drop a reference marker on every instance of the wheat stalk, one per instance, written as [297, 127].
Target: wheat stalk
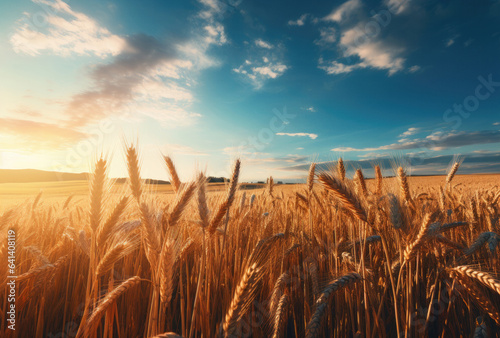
[106, 229]
[314, 325]
[396, 213]
[134, 173]
[203, 210]
[481, 276]
[181, 203]
[224, 207]
[310, 177]
[404, 186]
[476, 294]
[478, 243]
[279, 286]
[166, 272]
[242, 299]
[348, 199]
[422, 233]
[97, 194]
[174, 178]
[281, 316]
[378, 180]
[453, 170]
[341, 169]
[105, 303]
[360, 179]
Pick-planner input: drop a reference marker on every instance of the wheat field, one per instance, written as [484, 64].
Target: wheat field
[334, 257]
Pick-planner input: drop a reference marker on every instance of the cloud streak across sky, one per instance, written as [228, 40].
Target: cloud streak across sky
[436, 141]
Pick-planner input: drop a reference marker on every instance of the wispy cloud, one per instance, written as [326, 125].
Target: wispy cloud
[410, 132]
[271, 71]
[68, 32]
[146, 76]
[300, 21]
[260, 71]
[263, 44]
[311, 136]
[363, 47]
[398, 6]
[343, 11]
[371, 53]
[436, 141]
[328, 35]
[451, 41]
[334, 67]
[496, 124]
[311, 109]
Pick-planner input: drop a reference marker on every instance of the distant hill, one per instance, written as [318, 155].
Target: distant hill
[33, 175]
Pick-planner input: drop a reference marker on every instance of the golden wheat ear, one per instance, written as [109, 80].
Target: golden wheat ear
[314, 326]
[341, 169]
[97, 193]
[110, 298]
[174, 177]
[281, 317]
[344, 194]
[203, 210]
[134, 173]
[404, 185]
[378, 180]
[224, 207]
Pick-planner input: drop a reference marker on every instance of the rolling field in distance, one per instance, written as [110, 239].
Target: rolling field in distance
[12, 194]
[336, 256]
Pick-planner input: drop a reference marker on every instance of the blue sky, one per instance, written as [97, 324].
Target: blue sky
[279, 84]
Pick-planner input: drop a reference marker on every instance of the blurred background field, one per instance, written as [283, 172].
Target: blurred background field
[12, 194]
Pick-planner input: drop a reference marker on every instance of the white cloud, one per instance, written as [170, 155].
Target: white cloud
[328, 35]
[437, 140]
[344, 11]
[496, 124]
[272, 71]
[335, 67]
[373, 155]
[311, 136]
[299, 22]
[67, 32]
[410, 132]
[346, 149]
[372, 54]
[261, 71]
[311, 109]
[451, 41]
[263, 44]
[398, 6]
[414, 69]
[215, 34]
[361, 46]
[299, 148]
